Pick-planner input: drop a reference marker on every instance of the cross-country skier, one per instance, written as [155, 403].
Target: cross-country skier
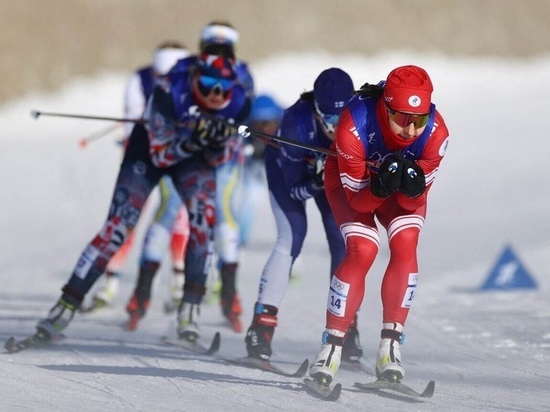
[138, 90]
[188, 135]
[295, 175]
[389, 142]
[217, 36]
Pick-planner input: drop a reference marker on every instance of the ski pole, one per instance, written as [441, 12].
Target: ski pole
[242, 129]
[245, 131]
[36, 113]
[97, 134]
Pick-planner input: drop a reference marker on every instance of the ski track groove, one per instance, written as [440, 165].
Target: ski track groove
[170, 380]
[123, 403]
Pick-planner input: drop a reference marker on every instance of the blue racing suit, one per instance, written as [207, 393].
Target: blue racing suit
[292, 180]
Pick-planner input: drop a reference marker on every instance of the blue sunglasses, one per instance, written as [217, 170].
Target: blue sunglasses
[329, 120]
[216, 84]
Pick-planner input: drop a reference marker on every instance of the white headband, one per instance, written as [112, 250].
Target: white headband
[217, 33]
[165, 59]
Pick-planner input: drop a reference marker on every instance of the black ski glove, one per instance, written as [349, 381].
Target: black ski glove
[413, 181]
[209, 133]
[388, 179]
[224, 131]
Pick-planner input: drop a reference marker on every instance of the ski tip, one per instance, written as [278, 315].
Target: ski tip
[401, 388]
[302, 370]
[335, 393]
[9, 344]
[429, 391]
[215, 345]
[322, 390]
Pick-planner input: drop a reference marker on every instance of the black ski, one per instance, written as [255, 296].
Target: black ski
[323, 390]
[267, 366]
[39, 338]
[398, 387]
[196, 347]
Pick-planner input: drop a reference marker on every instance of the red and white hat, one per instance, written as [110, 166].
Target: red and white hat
[408, 89]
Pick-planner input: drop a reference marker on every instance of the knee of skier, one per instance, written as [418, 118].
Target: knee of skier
[362, 250]
[404, 243]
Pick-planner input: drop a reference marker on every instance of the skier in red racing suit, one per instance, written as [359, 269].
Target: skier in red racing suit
[389, 143]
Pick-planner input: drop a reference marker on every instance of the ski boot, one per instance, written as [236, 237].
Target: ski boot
[232, 310]
[139, 302]
[107, 293]
[327, 362]
[388, 359]
[137, 308]
[352, 350]
[230, 302]
[260, 333]
[176, 291]
[188, 318]
[58, 318]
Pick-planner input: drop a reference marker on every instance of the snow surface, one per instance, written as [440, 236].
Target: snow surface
[486, 351]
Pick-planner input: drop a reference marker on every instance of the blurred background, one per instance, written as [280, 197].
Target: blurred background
[46, 43]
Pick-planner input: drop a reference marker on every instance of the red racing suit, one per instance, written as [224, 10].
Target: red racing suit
[364, 138]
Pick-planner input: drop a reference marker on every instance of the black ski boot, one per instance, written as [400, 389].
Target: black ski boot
[260, 333]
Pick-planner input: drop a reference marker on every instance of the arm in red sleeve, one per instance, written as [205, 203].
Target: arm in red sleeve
[429, 162]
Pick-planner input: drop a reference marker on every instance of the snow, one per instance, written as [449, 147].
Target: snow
[486, 351]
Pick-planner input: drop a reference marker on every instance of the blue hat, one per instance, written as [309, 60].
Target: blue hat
[332, 89]
[264, 108]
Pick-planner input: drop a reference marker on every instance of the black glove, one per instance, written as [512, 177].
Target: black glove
[209, 133]
[413, 181]
[319, 177]
[388, 179]
[224, 131]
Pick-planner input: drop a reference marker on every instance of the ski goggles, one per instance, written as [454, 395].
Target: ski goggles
[208, 84]
[405, 119]
[328, 120]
